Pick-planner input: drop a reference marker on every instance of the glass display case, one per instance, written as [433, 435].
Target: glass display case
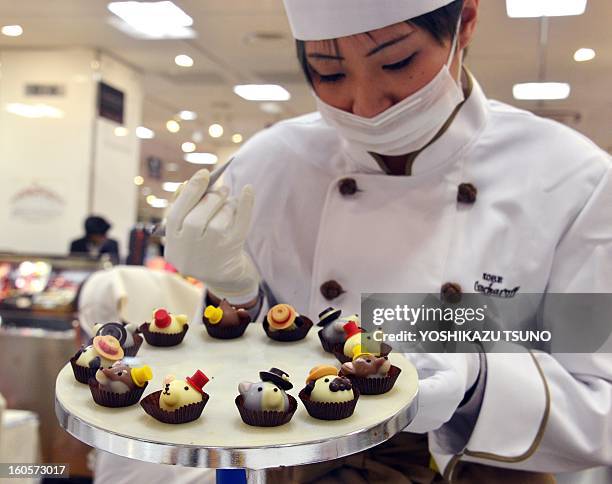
[39, 332]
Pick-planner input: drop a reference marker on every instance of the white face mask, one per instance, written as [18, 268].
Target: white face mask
[406, 126]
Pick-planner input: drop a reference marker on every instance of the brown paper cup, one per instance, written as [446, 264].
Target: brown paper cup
[292, 335]
[264, 418]
[327, 346]
[162, 339]
[114, 400]
[133, 350]
[82, 373]
[329, 411]
[375, 386]
[338, 352]
[224, 332]
[185, 414]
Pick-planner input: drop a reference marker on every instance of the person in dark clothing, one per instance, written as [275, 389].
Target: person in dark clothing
[96, 243]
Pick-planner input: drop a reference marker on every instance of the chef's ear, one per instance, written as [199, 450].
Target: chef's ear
[469, 18]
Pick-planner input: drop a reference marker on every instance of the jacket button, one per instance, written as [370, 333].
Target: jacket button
[466, 193]
[347, 187]
[331, 290]
[451, 293]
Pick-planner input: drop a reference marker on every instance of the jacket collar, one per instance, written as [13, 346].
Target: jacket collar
[453, 140]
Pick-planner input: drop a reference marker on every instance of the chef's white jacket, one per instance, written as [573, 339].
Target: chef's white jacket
[542, 221]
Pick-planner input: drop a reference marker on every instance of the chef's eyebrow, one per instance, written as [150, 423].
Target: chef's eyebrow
[375, 50]
[318, 55]
[389, 43]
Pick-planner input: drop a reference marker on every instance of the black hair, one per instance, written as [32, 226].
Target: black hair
[440, 23]
[96, 226]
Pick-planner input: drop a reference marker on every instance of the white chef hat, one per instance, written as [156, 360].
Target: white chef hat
[330, 19]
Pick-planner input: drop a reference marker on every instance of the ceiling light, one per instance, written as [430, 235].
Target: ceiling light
[188, 147]
[171, 186]
[120, 131]
[152, 20]
[34, 110]
[544, 8]
[183, 60]
[159, 203]
[583, 55]
[144, 133]
[237, 138]
[138, 180]
[262, 92]
[12, 30]
[173, 126]
[215, 130]
[541, 91]
[150, 199]
[201, 158]
[188, 115]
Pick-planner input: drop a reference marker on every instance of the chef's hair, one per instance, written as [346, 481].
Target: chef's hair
[440, 23]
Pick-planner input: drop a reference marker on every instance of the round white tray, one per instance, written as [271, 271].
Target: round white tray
[219, 438]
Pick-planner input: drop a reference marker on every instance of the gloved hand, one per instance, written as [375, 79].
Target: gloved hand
[205, 238]
[444, 378]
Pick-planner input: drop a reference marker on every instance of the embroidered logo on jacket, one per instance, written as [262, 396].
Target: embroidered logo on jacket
[488, 289]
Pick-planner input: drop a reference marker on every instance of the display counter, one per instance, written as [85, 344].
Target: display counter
[39, 332]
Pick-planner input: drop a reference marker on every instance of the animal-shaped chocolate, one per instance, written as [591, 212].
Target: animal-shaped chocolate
[333, 325]
[165, 322]
[122, 331]
[226, 315]
[103, 352]
[283, 317]
[356, 336]
[324, 385]
[366, 365]
[178, 393]
[121, 378]
[268, 394]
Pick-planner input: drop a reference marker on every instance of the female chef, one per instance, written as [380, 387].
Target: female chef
[409, 180]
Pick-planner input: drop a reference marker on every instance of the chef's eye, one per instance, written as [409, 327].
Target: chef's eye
[186, 389]
[120, 373]
[368, 361]
[331, 78]
[399, 65]
[259, 389]
[276, 389]
[327, 380]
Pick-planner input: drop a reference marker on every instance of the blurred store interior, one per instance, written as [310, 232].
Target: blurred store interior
[105, 110]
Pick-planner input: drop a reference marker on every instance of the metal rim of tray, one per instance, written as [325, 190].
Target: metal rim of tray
[256, 458]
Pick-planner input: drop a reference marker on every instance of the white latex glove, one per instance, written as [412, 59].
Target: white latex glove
[443, 380]
[205, 238]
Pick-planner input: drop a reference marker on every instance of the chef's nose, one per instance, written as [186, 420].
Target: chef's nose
[370, 101]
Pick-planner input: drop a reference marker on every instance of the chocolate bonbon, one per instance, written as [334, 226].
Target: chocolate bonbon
[327, 395]
[165, 328]
[283, 323]
[225, 321]
[266, 403]
[180, 400]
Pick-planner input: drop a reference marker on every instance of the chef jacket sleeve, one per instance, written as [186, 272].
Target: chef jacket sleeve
[266, 299]
[552, 412]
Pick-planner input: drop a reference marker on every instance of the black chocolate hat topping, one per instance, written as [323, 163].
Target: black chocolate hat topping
[114, 329]
[278, 377]
[328, 315]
